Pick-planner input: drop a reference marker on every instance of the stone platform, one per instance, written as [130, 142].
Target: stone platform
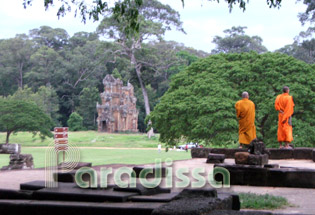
[275, 154]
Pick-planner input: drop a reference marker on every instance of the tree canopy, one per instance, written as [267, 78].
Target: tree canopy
[237, 41]
[126, 11]
[199, 105]
[18, 115]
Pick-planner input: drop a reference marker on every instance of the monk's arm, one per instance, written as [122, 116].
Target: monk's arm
[288, 111]
[277, 105]
[238, 112]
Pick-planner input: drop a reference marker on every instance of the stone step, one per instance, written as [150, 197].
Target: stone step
[31, 207]
[141, 190]
[79, 194]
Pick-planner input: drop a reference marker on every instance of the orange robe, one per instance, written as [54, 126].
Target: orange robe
[284, 102]
[245, 112]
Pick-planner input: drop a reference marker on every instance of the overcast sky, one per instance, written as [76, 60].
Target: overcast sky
[202, 20]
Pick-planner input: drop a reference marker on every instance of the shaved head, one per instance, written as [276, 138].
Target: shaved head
[285, 89]
[245, 95]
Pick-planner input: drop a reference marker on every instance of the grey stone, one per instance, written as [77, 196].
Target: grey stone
[215, 158]
[257, 147]
[138, 169]
[31, 207]
[37, 185]
[10, 148]
[260, 159]
[276, 166]
[200, 152]
[84, 195]
[14, 194]
[140, 189]
[195, 202]
[279, 154]
[162, 197]
[303, 153]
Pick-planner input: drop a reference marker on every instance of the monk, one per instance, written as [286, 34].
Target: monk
[245, 113]
[285, 105]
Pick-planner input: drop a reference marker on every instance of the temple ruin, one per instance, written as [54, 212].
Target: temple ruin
[118, 112]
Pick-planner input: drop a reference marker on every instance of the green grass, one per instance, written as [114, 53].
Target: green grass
[106, 156]
[262, 202]
[88, 138]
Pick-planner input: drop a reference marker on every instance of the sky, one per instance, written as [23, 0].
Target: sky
[202, 21]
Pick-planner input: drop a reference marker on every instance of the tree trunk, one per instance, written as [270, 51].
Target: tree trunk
[150, 133]
[7, 138]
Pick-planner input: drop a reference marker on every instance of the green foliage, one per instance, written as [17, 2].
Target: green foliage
[262, 202]
[75, 122]
[16, 115]
[199, 104]
[87, 107]
[45, 98]
[116, 74]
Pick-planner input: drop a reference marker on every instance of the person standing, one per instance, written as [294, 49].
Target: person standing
[285, 105]
[245, 113]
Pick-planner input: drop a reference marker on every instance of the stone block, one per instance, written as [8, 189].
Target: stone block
[236, 204]
[162, 197]
[140, 189]
[279, 154]
[231, 212]
[241, 157]
[138, 169]
[291, 177]
[303, 153]
[257, 147]
[67, 177]
[276, 166]
[261, 159]
[83, 195]
[236, 174]
[246, 174]
[200, 152]
[10, 148]
[37, 185]
[14, 194]
[215, 158]
[31, 207]
[195, 202]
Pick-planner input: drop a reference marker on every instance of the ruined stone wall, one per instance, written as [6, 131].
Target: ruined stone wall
[118, 110]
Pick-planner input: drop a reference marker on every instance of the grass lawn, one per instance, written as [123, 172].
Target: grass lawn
[106, 156]
[88, 138]
[262, 202]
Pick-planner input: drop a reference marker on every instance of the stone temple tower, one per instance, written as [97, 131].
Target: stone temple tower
[118, 112]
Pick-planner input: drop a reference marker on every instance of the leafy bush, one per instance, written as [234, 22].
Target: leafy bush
[75, 122]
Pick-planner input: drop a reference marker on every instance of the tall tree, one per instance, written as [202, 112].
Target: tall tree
[154, 20]
[45, 98]
[18, 115]
[236, 41]
[15, 57]
[87, 107]
[55, 38]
